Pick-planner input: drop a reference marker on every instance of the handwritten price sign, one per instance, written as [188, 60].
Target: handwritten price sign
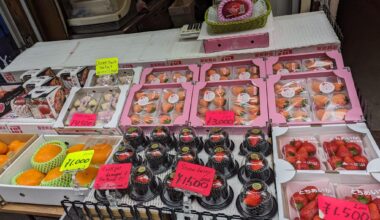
[81, 119]
[337, 209]
[220, 118]
[77, 161]
[113, 176]
[107, 66]
[194, 178]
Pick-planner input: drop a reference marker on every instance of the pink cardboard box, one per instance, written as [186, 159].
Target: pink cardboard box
[252, 112]
[304, 63]
[157, 104]
[313, 98]
[233, 70]
[170, 74]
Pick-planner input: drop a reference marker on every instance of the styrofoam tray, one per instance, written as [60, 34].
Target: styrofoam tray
[371, 150]
[233, 182]
[46, 195]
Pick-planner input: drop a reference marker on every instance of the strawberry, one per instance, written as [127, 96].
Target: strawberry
[377, 202]
[301, 165]
[298, 201]
[335, 162]
[144, 179]
[330, 148]
[311, 192]
[296, 143]
[361, 161]
[302, 153]
[339, 142]
[343, 151]
[290, 150]
[354, 148]
[361, 197]
[291, 159]
[313, 163]
[310, 148]
[252, 199]
[256, 165]
[309, 210]
[349, 164]
[374, 211]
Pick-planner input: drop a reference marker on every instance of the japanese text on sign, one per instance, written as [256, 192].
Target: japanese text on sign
[77, 161]
[113, 176]
[82, 119]
[107, 66]
[194, 178]
[220, 118]
[337, 209]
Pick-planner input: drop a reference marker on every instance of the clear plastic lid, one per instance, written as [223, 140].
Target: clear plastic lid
[254, 136]
[221, 155]
[187, 135]
[160, 133]
[217, 136]
[187, 154]
[133, 133]
[141, 175]
[254, 195]
[124, 154]
[155, 151]
[256, 162]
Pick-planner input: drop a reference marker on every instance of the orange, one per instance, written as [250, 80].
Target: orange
[86, 176]
[102, 151]
[16, 145]
[3, 159]
[30, 177]
[3, 148]
[75, 148]
[47, 153]
[53, 174]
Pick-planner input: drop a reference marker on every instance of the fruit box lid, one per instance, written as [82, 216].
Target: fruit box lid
[353, 115]
[41, 92]
[261, 121]
[70, 71]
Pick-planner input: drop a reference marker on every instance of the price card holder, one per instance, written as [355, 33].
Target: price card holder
[107, 66]
[192, 179]
[220, 118]
[338, 209]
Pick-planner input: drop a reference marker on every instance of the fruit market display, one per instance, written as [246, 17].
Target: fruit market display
[302, 153]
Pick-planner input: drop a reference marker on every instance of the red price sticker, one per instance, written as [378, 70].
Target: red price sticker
[113, 176]
[338, 209]
[194, 178]
[81, 119]
[220, 118]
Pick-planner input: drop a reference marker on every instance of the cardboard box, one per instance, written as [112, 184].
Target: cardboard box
[73, 77]
[8, 93]
[39, 81]
[36, 73]
[46, 102]
[8, 138]
[47, 195]
[105, 123]
[126, 76]
[170, 74]
[19, 125]
[327, 97]
[304, 63]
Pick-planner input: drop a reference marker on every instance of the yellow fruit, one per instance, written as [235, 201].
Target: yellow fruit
[30, 177]
[75, 148]
[85, 177]
[3, 148]
[47, 153]
[101, 153]
[16, 145]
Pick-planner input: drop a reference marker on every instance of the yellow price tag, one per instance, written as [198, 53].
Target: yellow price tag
[77, 161]
[107, 66]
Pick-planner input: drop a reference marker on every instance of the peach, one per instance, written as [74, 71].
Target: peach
[167, 107]
[165, 119]
[219, 101]
[236, 90]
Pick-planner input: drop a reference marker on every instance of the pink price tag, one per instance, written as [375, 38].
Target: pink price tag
[113, 176]
[81, 119]
[338, 209]
[194, 178]
[220, 118]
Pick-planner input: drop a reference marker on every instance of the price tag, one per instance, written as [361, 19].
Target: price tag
[113, 176]
[337, 209]
[220, 118]
[77, 161]
[194, 178]
[82, 119]
[107, 66]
